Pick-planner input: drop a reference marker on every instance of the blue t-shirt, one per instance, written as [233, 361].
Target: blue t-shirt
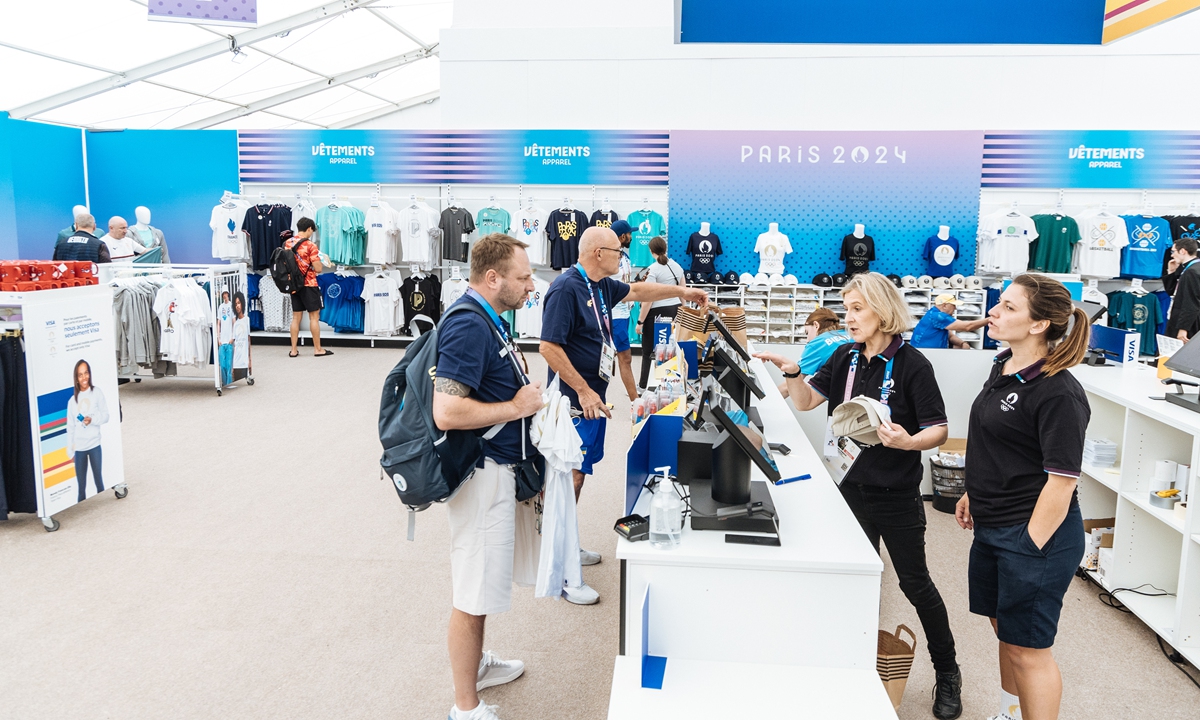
[931, 332]
[469, 353]
[818, 350]
[1149, 241]
[939, 256]
[569, 320]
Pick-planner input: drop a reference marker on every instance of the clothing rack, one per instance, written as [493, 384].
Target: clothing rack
[231, 278]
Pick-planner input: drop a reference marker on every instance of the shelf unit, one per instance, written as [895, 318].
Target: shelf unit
[1152, 547]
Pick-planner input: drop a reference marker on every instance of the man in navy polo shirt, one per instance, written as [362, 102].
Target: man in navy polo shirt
[578, 345]
[481, 382]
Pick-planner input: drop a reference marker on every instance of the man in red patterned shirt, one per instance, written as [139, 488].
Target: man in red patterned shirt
[308, 298]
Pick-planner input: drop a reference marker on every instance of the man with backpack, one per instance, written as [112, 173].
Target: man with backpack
[307, 297]
[481, 382]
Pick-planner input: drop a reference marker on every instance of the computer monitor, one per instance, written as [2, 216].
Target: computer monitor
[731, 471]
[1186, 359]
[725, 333]
[737, 384]
[1094, 311]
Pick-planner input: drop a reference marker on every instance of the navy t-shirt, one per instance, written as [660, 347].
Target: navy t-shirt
[939, 256]
[569, 320]
[469, 353]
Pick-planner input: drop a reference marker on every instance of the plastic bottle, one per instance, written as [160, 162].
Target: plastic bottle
[666, 513]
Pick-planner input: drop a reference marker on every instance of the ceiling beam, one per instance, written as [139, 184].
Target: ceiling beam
[389, 109]
[174, 62]
[310, 89]
[398, 27]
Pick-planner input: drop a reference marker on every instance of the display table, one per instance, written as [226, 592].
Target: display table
[814, 601]
[723, 690]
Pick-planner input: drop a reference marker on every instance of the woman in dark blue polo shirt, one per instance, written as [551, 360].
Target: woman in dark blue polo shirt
[1026, 448]
[882, 488]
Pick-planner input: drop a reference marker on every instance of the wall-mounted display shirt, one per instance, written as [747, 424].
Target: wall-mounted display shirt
[704, 250]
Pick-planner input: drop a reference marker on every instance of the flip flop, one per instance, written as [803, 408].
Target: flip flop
[327, 352]
[293, 354]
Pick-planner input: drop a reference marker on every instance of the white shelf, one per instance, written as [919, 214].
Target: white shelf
[1156, 611]
[1142, 500]
[1196, 538]
[1103, 476]
[1099, 580]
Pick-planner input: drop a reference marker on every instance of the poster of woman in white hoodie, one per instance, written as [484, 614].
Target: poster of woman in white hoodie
[87, 412]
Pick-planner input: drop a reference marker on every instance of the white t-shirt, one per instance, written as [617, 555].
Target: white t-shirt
[529, 226]
[528, 320]
[624, 274]
[119, 250]
[453, 290]
[1010, 237]
[1098, 252]
[771, 247]
[415, 223]
[669, 274]
[381, 234]
[228, 240]
[382, 295]
[166, 307]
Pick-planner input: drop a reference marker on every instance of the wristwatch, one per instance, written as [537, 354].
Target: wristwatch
[792, 376]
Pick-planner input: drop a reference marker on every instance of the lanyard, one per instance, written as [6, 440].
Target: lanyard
[603, 306]
[491, 313]
[887, 378]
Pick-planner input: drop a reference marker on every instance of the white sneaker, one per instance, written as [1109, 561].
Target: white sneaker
[582, 595]
[1001, 716]
[493, 671]
[481, 712]
[587, 557]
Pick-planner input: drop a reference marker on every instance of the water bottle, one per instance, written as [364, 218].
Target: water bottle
[666, 513]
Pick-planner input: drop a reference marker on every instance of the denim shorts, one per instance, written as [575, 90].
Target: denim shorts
[1021, 586]
[592, 432]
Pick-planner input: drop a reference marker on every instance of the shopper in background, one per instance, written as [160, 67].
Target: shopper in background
[476, 387]
[620, 311]
[1026, 438]
[664, 271]
[936, 327]
[308, 298]
[82, 245]
[882, 487]
[1182, 281]
[823, 333]
[121, 247]
[578, 345]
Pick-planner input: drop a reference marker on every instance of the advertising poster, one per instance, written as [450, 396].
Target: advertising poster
[231, 328]
[71, 356]
[817, 186]
[1114, 159]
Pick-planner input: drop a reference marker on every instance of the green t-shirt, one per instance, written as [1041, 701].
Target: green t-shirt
[1051, 252]
[491, 220]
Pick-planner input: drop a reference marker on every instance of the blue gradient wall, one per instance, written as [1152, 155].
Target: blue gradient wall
[42, 168]
[178, 174]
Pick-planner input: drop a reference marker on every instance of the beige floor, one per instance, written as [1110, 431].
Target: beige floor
[258, 569]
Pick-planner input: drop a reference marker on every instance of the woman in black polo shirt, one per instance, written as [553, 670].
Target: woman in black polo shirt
[882, 488]
[1026, 449]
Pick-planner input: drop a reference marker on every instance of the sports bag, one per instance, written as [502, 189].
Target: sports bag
[285, 270]
[425, 464]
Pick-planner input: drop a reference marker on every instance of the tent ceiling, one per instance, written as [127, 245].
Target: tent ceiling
[310, 72]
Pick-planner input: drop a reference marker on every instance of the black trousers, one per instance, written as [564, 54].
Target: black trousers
[898, 518]
[16, 436]
[648, 338]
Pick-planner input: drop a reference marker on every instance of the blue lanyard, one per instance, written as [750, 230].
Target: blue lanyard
[491, 313]
[884, 391]
[603, 305]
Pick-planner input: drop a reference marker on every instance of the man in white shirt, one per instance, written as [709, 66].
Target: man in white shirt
[121, 247]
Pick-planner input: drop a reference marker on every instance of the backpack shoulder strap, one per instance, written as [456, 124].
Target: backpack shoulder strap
[474, 307]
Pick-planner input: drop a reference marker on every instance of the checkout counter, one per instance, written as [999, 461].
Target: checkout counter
[751, 628]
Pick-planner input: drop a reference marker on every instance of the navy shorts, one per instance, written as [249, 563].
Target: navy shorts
[1021, 586]
[620, 331]
[591, 432]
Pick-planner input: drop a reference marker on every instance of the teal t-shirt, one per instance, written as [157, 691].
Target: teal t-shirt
[818, 351]
[492, 220]
[646, 225]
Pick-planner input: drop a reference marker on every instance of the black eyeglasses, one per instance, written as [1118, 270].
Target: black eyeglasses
[616, 250]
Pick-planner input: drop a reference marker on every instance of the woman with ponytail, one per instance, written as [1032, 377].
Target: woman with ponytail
[1025, 451]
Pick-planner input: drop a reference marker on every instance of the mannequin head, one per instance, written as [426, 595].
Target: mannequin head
[142, 213]
[117, 227]
[76, 212]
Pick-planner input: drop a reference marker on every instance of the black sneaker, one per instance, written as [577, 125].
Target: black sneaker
[947, 696]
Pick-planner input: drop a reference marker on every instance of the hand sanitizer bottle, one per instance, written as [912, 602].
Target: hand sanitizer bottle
[666, 513]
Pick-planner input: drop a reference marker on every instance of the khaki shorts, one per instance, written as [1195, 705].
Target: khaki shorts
[482, 536]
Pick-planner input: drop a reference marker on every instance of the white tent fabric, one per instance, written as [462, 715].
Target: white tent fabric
[329, 64]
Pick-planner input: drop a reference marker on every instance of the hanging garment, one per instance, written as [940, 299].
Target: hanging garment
[228, 239]
[276, 307]
[381, 293]
[264, 225]
[344, 309]
[554, 435]
[16, 437]
[422, 309]
[1139, 313]
[343, 233]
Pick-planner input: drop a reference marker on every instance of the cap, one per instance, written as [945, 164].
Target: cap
[746, 278]
[896, 280]
[859, 418]
[731, 278]
[839, 280]
[761, 279]
[957, 281]
[775, 279]
[973, 282]
[947, 298]
[621, 227]
[925, 281]
[687, 275]
[909, 281]
[716, 278]
[790, 280]
[941, 283]
[822, 280]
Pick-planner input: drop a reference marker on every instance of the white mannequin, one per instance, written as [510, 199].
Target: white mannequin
[77, 211]
[141, 230]
[860, 231]
[704, 228]
[944, 232]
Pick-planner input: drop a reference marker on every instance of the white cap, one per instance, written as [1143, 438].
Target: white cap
[941, 283]
[925, 281]
[974, 283]
[791, 280]
[909, 281]
[760, 279]
[776, 279]
[957, 281]
[746, 279]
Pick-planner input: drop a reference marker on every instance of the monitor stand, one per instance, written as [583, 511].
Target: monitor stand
[1191, 401]
[703, 504]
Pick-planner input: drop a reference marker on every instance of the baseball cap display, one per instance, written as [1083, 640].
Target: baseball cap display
[746, 278]
[731, 278]
[839, 280]
[973, 282]
[761, 279]
[909, 281]
[941, 283]
[925, 281]
[716, 278]
[790, 280]
[776, 279]
[687, 275]
[620, 227]
[896, 280]
[945, 298]
[822, 280]
[958, 281]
